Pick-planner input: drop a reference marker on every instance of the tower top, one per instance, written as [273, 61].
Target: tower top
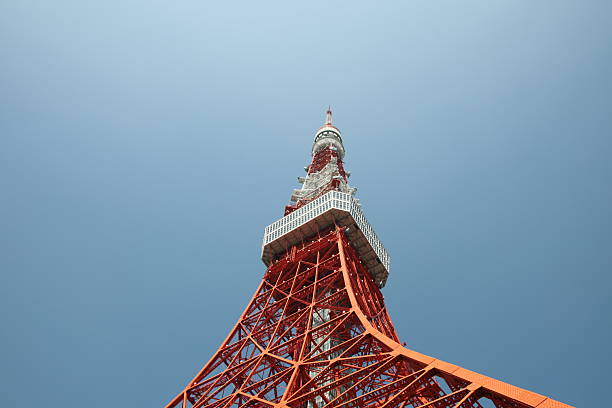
[325, 199]
[328, 136]
[328, 116]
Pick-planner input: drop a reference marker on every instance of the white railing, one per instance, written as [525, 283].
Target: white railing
[332, 199]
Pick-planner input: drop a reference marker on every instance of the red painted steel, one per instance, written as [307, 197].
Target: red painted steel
[317, 333]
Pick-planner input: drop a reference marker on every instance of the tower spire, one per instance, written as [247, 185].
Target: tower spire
[326, 170]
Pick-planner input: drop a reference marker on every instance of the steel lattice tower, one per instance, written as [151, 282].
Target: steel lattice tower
[316, 332]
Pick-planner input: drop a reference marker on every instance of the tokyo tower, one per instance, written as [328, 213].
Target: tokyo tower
[317, 333]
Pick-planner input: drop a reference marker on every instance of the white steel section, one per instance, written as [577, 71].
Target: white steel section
[330, 203]
[328, 135]
[314, 183]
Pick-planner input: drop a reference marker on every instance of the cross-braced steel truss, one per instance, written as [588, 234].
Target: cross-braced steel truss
[316, 333]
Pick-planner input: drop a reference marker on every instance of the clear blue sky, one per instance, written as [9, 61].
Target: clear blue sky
[144, 145]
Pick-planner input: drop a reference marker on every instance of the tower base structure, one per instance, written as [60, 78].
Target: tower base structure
[317, 333]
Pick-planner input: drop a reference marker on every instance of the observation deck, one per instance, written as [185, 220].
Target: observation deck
[306, 221]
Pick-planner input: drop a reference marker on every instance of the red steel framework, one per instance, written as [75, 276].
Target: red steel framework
[317, 333]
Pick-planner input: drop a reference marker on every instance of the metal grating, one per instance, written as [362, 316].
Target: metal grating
[296, 225]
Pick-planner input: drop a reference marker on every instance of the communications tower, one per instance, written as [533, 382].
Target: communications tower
[317, 333]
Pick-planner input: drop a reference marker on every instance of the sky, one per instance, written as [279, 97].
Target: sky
[145, 145]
